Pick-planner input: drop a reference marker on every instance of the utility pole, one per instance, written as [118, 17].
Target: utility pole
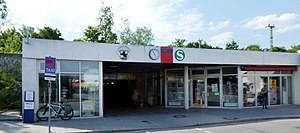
[271, 35]
[200, 42]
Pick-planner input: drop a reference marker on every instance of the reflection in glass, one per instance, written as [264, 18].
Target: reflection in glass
[175, 91]
[229, 70]
[43, 90]
[213, 71]
[230, 91]
[90, 67]
[249, 91]
[70, 91]
[261, 82]
[68, 66]
[89, 95]
[213, 92]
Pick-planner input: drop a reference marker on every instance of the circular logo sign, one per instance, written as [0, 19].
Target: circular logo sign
[179, 55]
[123, 52]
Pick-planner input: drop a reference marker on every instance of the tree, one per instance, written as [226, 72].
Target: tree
[106, 22]
[91, 34]
[10, 81]
[101, 33]
[294, 49]
[279, 49]
[178, 43]
[232, 45]
[3, 12]
[48, 33]
[196, 44]
[254, 47]
[10, 41]
[126, 34]
[142, 36]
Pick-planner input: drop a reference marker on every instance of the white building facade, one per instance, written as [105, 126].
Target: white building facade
[165, 76]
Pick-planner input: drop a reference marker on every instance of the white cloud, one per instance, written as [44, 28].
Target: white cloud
[159, 16]
[71, 17]
[221, 39]
[283, 23]
[213, 26]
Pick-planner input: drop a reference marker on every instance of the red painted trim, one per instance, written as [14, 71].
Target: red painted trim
[270, 68]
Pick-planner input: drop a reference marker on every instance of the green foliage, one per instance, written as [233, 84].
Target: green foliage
[10, 41]
[278, 49]
[106, 22]
[232, 45]
[91, 34]
[10, 91]
[254, 47]
[196, 44]
[48, 33]
[10, 81]
[126, 34]
[294, 49]
[142, 35]
[3, 12]
[178, 43]
[101, 33]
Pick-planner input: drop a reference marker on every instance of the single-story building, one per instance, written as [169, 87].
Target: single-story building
[93, 77]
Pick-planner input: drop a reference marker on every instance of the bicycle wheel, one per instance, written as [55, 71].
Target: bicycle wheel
[66, 116]
[42, 113]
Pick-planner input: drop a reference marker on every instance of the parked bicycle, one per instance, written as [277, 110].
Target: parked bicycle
[65, 112]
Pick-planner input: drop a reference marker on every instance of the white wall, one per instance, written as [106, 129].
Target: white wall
[236, 57]
[29, 80]
[296, 87]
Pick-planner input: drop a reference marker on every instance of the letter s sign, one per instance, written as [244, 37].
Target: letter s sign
[179, 55]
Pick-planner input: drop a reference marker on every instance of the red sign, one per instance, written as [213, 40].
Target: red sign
[50, 67]
[166, 54]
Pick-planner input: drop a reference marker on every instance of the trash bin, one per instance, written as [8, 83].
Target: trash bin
[28, 116]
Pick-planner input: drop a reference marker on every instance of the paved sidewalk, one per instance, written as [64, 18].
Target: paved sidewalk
[146, 119]
[10, 115]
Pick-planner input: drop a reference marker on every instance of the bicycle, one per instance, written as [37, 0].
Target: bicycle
[65, 112]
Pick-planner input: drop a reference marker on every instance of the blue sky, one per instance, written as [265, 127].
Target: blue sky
[214, 21]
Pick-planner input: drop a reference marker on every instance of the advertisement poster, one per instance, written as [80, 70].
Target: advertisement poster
[273, 92]
[273, 83]
[214, 88]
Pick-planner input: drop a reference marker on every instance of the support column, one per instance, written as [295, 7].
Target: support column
[101, 89]
[186, 87]
[240, 88]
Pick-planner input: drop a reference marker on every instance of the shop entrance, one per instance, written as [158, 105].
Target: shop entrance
[198, 92]
[205, 92]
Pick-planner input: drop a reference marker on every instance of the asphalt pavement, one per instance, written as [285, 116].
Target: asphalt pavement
[154, 118]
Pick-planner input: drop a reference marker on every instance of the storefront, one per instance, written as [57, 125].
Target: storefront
[92, 77]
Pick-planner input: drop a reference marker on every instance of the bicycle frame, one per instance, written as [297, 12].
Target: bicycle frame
[54, 110]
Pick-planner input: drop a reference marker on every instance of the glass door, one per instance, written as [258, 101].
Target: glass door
[213, 92]
[274, 90]
[198, 92]
[285, 90]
